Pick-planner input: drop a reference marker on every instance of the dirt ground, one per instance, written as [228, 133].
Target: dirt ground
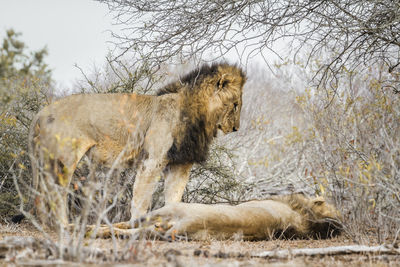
[125, 252]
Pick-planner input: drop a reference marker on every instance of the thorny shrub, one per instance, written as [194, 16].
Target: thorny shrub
[341, 144]
[25, 82]
[352, 150]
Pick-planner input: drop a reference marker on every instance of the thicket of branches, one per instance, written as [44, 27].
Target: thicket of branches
[25, 87]
[343, 147]
[352, 33]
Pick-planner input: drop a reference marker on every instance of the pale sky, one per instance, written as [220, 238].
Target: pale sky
[74, 31]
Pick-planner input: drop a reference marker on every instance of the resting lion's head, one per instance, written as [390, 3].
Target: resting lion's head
[321, 209]
[324, 219]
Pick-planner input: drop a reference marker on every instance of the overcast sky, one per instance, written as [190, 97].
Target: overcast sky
[74, 31]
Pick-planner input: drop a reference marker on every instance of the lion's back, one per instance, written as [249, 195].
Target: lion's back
[104, 120]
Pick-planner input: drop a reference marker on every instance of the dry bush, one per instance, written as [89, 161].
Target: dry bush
[342, 143]
[217, 181]
[25, 87]
[262, 160]
[351, 148]
[117, 76]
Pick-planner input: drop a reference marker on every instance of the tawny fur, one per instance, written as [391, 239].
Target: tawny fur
[291, 216]
[163, 134]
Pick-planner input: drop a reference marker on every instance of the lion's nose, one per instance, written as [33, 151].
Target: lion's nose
[235, 129]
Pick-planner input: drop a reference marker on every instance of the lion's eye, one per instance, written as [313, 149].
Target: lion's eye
[235, 106]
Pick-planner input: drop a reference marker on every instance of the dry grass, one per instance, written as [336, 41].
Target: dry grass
[215, 253]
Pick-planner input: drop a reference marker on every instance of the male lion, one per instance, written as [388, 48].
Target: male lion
[164, 133]
[290, 216]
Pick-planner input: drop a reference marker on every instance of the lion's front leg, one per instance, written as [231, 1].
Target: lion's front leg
[176, 178]
[147, 176]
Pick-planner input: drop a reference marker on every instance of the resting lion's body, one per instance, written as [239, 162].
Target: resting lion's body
[156, 134]
[291, 216]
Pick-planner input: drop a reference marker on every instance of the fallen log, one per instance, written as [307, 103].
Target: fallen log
[327, 251]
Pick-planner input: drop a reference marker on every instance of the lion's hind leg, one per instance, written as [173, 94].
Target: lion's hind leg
[55, 180]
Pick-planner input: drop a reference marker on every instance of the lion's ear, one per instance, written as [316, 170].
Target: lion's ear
[222, 82]
[318, 201]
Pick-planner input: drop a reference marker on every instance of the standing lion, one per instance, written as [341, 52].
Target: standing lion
[165, 133]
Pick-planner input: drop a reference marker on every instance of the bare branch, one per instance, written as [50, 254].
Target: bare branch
[356, 32]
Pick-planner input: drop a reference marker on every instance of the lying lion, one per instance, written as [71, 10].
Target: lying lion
[290, 216]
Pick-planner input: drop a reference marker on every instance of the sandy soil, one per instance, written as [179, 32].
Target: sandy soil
[207, 253]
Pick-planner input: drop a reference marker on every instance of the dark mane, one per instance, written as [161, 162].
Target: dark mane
[191, 79]
[194, 146]
[196, 131]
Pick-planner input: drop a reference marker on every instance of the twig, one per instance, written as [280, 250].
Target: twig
[339, 250]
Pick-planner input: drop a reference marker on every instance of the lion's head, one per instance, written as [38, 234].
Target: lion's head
[322, 209]
[221, 86]
[324, 220]
[228, 97]
[211, 99]
[319, 218]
